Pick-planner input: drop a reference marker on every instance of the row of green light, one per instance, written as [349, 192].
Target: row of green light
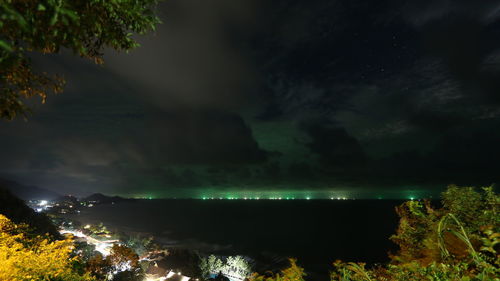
[270, 198]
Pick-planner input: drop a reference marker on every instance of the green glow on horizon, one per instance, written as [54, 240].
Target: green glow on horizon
[265, 193]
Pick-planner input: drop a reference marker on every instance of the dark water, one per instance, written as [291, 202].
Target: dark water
[317, 232]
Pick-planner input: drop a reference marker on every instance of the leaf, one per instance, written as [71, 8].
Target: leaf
[41, 7]
[6, 46]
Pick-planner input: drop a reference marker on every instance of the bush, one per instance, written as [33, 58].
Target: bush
[35, 258]
[456, 242]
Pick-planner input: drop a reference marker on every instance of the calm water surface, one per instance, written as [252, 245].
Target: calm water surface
[317, 232]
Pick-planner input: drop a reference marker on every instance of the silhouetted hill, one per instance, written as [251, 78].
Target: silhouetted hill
[16, 210]
[103, 199]
[28, 192]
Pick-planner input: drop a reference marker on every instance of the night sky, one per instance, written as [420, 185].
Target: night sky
[275, 98]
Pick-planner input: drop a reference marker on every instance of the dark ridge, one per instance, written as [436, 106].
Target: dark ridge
[17, 211]
[101, 198]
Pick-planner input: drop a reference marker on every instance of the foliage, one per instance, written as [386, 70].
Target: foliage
[139, 244]
[85, 27]
[237, 265]
[232, 265]
[456, 242]
[35, 258]
[472, 208]
[96, 229]
[121, 264]
[417, 220]
[183, 260]
[292, 273]
[122, 257]
[84, 251]
[99, 267]
[210, 265]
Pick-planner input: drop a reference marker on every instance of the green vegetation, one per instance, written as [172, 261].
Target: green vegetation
[292, 273]
[232, 265]
[121, 264]
[24, 256]
[456, 242]
[47, 26]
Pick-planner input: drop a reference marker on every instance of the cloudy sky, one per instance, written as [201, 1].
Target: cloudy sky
[381, 98]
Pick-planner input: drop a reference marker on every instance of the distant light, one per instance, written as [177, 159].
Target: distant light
[87, 226]
[412, 198]
[308, 198]
[43, 203]
[338, 198]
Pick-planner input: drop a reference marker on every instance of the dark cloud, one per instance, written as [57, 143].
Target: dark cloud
[466, 155]
[275, 94]
[335, 148]
[192, 59]
[200, 137]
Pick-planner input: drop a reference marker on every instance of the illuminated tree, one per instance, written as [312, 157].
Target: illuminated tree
[99, 267]
[122, 257]
[237, 265]
[292, 273]
[85, 27]
[125, 263]
[26, 258]
[121, 264]
[139, 243]
[210, 265]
